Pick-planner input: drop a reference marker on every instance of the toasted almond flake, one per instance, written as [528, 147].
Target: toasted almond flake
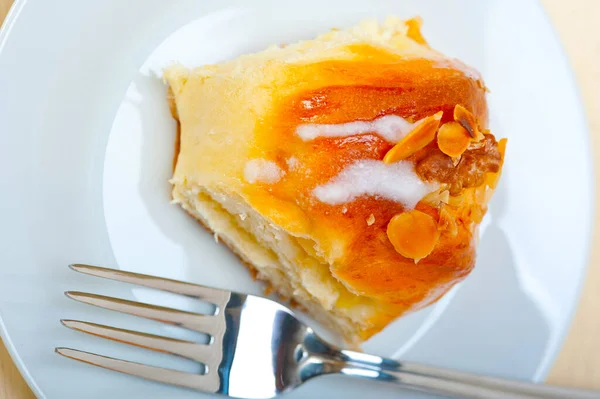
[480, 194]
[476, 213]
[445, 196]
[453, 139]
[370, 220]
[413, 234]
[502, 148]
[437, 198]
[414, 30]
[493, 178]
[447, 223]
[468, 121]
[419, 137]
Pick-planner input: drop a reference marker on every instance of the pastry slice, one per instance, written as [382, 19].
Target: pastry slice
[349, 172]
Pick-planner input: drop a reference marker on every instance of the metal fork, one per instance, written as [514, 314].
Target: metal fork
[259, 349]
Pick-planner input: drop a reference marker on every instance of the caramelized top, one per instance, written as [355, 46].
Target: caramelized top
[394, 250]
[353, 234]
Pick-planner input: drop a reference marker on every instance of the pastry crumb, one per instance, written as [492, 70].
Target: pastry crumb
[370, 220]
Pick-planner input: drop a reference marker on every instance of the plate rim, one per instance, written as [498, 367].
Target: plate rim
[9, 21]
[545, 363]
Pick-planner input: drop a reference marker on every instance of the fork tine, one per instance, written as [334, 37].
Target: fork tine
[208, 324]
[186, 349]
[213, 295]
[207, 382]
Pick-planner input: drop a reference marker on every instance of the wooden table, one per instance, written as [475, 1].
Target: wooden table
[579, 361]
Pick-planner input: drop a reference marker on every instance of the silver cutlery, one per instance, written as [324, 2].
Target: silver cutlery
[259, 349]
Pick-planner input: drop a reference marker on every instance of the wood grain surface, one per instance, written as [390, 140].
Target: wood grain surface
[579, 361]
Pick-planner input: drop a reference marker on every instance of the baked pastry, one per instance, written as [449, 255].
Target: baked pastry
[349, 172]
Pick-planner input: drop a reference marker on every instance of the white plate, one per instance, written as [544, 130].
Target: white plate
[87, 144]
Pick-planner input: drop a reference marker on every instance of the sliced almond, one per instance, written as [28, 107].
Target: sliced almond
[468, 121]
[453, 139]
[419, 137]
[447, 223]
[493, 178]
[413, 234]
[502, 147]
[476, 213]
[414, 30]
[437, 198]
[445, 196]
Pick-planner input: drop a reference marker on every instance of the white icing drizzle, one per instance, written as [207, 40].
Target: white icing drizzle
[262, 170]
[390, 127]
[397, 182]
[293, 163]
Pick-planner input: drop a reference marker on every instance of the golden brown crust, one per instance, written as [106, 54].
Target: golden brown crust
[378, 84]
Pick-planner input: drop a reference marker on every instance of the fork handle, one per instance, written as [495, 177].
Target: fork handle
[445, 381]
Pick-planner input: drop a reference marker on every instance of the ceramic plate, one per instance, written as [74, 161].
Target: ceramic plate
[87, 144]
